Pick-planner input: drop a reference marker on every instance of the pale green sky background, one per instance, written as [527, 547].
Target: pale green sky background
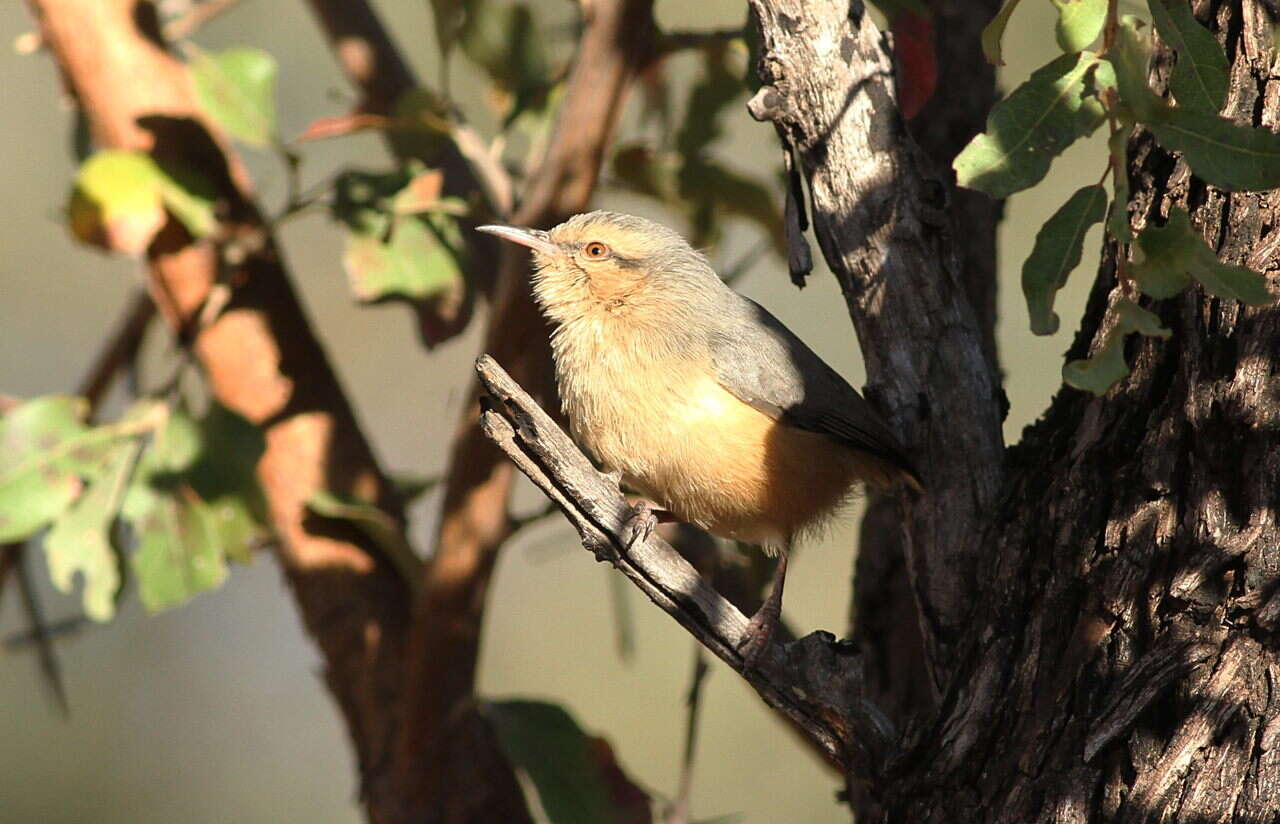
[215, 711]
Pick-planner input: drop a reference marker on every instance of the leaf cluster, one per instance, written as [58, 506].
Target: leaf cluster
[1070, 98]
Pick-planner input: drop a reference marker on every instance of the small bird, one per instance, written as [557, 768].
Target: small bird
[698, 397]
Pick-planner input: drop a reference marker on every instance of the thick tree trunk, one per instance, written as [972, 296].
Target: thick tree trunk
[1121, 664]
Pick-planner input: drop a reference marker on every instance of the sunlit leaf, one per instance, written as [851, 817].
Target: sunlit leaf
[1174, 253]
[1100, 372]
[47, 454]
[993, 34]
[80, 540]
[120, 197]
[237, 89]
[1199, 79]
[1079, 23]
[565, 765]
[1057, 253]
[1030, 127]
[390, 255]
[35, 484]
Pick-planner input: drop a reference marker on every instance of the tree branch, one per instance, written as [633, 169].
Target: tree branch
[264, 362]
[475, 522]
[883, 610]
[816, 682]
[882, 229]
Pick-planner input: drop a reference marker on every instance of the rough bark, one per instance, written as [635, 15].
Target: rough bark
[882, 610]
[881, 225]
[1122, 665]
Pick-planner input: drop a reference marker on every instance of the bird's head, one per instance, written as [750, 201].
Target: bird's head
[611, 262]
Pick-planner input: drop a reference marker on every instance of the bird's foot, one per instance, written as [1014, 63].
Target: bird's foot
[640, 523]
[758, 635]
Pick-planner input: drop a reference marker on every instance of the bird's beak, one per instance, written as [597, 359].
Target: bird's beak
[535, 239]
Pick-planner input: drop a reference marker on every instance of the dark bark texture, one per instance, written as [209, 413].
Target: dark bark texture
[1116, 661]
[1121, 664]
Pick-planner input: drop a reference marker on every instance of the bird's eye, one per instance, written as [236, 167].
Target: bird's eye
[596, 250]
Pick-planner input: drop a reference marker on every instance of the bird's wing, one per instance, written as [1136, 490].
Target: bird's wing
[761, 362]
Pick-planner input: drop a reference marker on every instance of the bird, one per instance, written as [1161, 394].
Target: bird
[697, 397]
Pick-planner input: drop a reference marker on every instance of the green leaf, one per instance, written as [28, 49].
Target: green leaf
[1175, 252]
[562, 761]
[1030, 127]
[35, 486]
[193, 501]
[179, 554]
[1131, 58]
[384, 530]
[1100, 372]
[1199, 80]
[1079, 23]
[1057, 253]
[1222, 153]
[119, 200]
[80, 540]
[993, 34]
[46, 455]
[224, 476]
[1118, 146]
[390, 255]
[237, 89]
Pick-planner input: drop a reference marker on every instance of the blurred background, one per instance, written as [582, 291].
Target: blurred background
[215, 711]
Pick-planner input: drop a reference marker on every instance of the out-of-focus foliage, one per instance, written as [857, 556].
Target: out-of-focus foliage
[1069, 98]
[185, 488]
[121, 199]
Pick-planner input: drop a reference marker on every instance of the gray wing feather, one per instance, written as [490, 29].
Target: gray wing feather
[761, 362]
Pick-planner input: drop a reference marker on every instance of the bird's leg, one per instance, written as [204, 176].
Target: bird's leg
[760, 630]
[643, 518]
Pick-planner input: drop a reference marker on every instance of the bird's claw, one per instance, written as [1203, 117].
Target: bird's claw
[639, 525]
[755, 640]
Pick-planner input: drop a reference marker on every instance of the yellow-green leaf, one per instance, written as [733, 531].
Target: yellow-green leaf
[1079, 23]
[120, 197]
[993, 34]
[237, 89]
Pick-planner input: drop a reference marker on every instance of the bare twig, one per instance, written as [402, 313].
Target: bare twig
[815, 682]
[674, 41]
[50, 669]
[121, 349]
[200, 13]
[680, 811]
